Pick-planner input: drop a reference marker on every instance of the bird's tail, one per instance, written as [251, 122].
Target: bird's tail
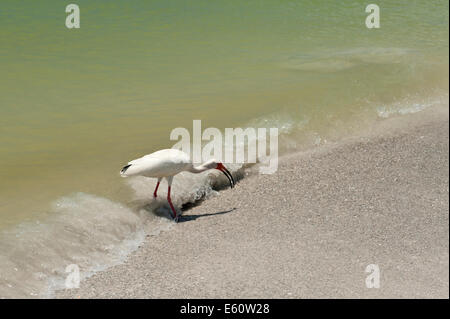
[124, 169]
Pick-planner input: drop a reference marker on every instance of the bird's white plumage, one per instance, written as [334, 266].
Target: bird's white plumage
[167, 163]
[162, 163]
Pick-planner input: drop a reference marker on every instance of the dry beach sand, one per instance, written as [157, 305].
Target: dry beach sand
[310, 230]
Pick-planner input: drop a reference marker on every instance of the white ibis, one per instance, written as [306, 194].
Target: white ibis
[166, 164]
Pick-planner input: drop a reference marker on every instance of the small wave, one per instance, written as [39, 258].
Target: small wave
[89, 231]
[409, 106]
[330, 62]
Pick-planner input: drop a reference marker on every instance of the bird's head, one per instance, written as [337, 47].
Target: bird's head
[214, 164]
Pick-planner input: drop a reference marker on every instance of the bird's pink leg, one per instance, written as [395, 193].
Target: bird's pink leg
[171, 205]
[156, 189]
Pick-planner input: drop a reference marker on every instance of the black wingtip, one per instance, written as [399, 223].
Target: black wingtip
[124, 169]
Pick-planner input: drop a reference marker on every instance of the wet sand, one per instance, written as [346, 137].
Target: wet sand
[311, 229]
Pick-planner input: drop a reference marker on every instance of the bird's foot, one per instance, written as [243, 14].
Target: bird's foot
[176, 218]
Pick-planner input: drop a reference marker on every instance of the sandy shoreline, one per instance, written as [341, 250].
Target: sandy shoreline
[310, 230]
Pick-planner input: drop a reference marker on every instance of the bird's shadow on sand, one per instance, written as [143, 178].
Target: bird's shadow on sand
[163, 210]
[188, 218]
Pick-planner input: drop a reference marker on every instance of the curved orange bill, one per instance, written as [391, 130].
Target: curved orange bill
[227, 173]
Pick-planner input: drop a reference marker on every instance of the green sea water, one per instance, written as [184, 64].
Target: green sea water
[76, 104]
